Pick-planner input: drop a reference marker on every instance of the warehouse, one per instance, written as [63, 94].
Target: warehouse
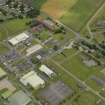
[46, 70]
[33, 80]
[19, 98]
[19, 38]
[33, 49]
[56, 93]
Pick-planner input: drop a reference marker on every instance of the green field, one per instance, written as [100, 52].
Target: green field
[80, 70]
[13, 27]
[80, 13]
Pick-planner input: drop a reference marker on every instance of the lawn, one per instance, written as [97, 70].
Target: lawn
[80, 13]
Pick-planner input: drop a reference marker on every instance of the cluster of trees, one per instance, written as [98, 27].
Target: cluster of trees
[99, 48]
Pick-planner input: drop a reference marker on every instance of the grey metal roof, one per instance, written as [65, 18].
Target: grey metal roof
[19, 98]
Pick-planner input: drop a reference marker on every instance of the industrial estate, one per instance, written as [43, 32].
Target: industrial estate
[52, 52]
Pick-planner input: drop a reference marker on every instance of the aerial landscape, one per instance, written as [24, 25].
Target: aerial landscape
[52, 52]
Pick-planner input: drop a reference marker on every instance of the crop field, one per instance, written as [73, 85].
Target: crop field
[57, 8]
[73, 13]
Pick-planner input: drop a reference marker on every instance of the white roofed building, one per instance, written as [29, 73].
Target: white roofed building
[33, 80]
[46, 70]
[19, 38]
[33, 49]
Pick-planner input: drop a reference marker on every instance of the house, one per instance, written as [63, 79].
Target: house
[46, 70]
[33, 49]
[19, 38]
[33, 80]
[19, 98]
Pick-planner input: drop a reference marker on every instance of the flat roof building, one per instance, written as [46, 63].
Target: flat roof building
[19, 38]
[19, 98]
[46, 70]
[33, 49]
[33, 80]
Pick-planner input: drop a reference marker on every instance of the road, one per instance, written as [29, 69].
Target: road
[69, 73]
[92, 18]
[77, 79]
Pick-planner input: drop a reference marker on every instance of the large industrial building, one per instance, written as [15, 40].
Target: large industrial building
[19, 38]
[33, 49]
[33, 80]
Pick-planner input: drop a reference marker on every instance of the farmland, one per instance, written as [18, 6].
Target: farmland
[75, 13]
[57, 8]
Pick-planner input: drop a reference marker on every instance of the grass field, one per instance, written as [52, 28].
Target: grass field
[12, 27]
[79, 14]
[74, 58]
[86, 98]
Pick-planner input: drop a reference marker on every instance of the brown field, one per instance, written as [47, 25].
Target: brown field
[57, 8]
